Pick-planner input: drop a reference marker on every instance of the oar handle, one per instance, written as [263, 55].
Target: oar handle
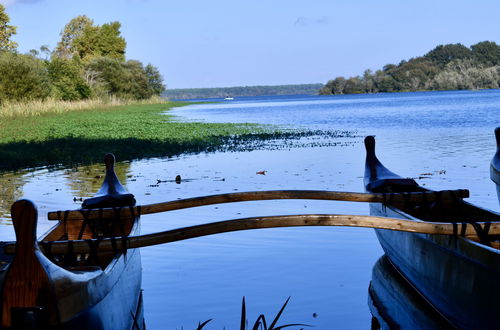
[412, 197]
[117, 244]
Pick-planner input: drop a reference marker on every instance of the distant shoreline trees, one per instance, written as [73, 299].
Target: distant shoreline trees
[242, 91]
[88, 62]
[446, 67]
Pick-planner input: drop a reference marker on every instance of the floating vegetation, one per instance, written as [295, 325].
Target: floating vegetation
[135, 132]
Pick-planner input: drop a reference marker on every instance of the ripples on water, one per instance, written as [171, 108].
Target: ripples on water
[444, 139]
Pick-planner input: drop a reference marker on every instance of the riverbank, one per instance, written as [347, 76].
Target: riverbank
[82, 136]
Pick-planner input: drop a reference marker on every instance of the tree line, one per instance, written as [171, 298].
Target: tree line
[88, 62]
[222, 92]
[446, 67]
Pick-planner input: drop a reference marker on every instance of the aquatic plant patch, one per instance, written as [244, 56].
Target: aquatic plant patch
[129, 131]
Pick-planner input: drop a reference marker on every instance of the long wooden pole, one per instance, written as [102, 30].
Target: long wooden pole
[412, 197]
[121, 243]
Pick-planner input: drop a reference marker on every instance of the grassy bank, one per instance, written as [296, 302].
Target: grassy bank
[12, 109]
[82, 136]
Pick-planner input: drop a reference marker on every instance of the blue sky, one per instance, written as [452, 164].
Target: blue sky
[221, 43]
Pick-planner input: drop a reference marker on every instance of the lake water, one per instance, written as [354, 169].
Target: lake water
[444, 139]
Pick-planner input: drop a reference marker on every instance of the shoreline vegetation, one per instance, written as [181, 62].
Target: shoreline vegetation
[15, 109]
[241, 91]
[131, 131]
[446, 67]
[88, 66]
[71, 105]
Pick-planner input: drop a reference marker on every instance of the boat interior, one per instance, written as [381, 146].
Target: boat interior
[117, 226]
[453, 210]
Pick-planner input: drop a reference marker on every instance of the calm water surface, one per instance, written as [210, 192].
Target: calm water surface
[444, 139]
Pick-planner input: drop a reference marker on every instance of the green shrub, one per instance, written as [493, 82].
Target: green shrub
[22, 77]
[66, 78]
[122, 79]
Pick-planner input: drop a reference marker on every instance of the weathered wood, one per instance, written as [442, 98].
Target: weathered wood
[26, 283]
[118, 243]
[71, 290]
[445, 195]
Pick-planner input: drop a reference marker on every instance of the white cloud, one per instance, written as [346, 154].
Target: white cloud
[8, 3]
[306, 21]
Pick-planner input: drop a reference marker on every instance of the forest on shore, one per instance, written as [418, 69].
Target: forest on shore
[222, 92]
[446, 67]
[87, 63]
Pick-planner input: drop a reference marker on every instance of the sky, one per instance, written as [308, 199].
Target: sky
[224, 43]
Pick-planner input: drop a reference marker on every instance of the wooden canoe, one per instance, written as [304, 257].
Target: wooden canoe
[495, 164]
[458, 276]
[97, 290]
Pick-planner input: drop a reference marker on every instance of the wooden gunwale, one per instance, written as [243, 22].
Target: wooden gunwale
[114, 244]
[259, 196]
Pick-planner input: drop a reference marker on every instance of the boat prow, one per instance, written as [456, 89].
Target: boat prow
[380, 179]
[43, 289]
[457, 275]
[495, 164]
[112, 193]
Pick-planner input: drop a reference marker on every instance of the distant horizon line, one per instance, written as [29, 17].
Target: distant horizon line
[243, 86]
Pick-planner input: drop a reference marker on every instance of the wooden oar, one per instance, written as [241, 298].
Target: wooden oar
[121, 243]
[413, 197]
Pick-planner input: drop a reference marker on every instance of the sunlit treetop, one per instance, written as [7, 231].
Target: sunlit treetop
[81, 38]
[6, 31]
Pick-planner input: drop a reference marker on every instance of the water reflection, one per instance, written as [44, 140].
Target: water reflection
[325, 270]
[394, 304]
[84, 181]
[11, 189]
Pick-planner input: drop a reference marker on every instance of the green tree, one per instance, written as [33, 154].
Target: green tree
[486, 52]
[110, 43]
[335, 86]
[136, 84]
[6, 31]
[73, 30]
[83, 39]
[443, 54]
[121, 79]
[353, 85]
[155, 79]
[66, 78]
[369, 81]
[22, 77]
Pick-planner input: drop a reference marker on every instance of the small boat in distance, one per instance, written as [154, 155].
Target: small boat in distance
[495, 164]
[97, 290]
[457, 275]
[228, 98]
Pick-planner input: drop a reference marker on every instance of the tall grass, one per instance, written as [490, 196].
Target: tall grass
[260, 323]
[12, 110]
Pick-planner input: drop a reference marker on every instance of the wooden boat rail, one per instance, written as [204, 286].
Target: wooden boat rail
[80, 245]
[412, 197]
[115, 244]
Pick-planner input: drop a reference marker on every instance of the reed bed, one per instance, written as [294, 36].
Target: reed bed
[12, 110]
